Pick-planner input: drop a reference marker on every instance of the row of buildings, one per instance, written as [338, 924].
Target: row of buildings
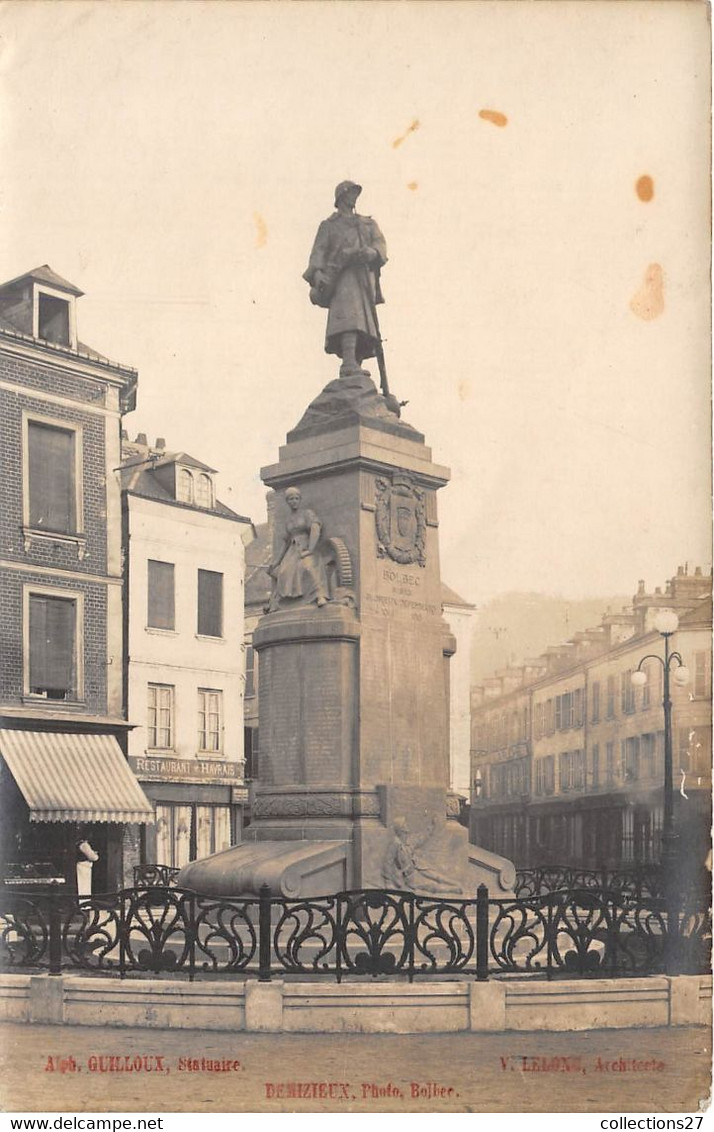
[121, 605]
[128, 597]
[567, 755]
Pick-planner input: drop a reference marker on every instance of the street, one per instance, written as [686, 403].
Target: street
[96, 1070]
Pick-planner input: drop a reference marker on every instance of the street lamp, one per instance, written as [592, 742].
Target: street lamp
[666, 623]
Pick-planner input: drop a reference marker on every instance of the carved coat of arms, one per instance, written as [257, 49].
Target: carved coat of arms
[401, 520]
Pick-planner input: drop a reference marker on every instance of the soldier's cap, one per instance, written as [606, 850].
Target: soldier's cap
[343, 186]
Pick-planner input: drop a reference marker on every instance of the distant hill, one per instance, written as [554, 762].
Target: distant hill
[510, 628]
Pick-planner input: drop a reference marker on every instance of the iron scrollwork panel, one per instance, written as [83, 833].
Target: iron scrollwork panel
[305, 936]
[157, 929]
[376, 932]
[24, 932]
[444, 935]
[225, 934]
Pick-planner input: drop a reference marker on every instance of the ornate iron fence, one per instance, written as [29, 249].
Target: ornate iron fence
[640, 881]
[578, 932]
[163, 876]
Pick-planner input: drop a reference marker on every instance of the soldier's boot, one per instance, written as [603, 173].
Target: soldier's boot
[350, 365]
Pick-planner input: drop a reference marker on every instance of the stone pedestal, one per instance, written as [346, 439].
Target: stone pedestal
[353, 695]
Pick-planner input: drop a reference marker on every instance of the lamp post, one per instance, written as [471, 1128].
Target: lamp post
[666, 623]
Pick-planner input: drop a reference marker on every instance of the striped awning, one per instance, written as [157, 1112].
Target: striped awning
[74, 777]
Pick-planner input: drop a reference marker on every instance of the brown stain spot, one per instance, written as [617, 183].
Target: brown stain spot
[648, 302]
[493, 116]
[644, 187]
[409, 130]
[464, 390]
[413, 185]
[261, 230]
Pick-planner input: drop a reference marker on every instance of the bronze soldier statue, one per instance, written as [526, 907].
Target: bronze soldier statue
[343, 273]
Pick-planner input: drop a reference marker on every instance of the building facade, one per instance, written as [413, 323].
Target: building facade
[459, 616]
[63, 735]
[184, 661]
[568, 757]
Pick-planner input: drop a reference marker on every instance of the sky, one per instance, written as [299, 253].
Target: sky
[541, 174]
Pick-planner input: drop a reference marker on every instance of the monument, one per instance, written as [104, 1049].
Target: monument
[353, 650]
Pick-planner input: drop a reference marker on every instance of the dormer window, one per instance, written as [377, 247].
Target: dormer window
[204, 491]
[53, 320]
[54, 316]
[184, 486]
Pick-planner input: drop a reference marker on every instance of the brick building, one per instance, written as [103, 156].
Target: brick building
[567, 756]
[64, 774]
[184, 660]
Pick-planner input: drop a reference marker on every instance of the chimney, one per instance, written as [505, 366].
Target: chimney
[160, 443]
[141, 439]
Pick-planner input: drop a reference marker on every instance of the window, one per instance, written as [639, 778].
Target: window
[161, 717]
[568, 710]
[53, 638]
[549, 719]
[173, 835]
[572, 771]
[595, 714]
[702, 675]
[545, 775]
[646, 689]
[610, 707]
[210, 720]
[53, 319]
[185, 832]
[160, 610]
[210, 604]
[627, 692]
[631, 759]
[648, 749]
[52, 477]
[250, 750]
[610, 762]
[695, 751]
[204, 491]
[184, 487]
[596, 765]
[213, 829]
[250, 666]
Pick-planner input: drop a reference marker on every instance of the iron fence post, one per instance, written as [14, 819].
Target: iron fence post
[55, 942]
[192, 929]
[412, 899]
[482, 933]
[122, 933]
[264, 928]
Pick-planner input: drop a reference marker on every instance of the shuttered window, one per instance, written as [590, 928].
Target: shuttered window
[161, 716]
[52, 486]
[210, 604]
[53, 668]
[210, 722]
[160, 611]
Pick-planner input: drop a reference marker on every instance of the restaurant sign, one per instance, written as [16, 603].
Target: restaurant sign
[159, 768]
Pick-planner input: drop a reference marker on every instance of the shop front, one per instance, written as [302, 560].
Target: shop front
[199, 805]
[66, 800]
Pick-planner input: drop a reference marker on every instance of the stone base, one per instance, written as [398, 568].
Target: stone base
[292, 869]
[351, 400]
[383, 1006]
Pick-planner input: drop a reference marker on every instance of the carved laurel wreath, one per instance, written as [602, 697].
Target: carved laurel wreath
[383, 521]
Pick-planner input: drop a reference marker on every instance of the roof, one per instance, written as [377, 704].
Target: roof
[44, 274]
[74, 777]
[450, 597]
[699, 614]
[137, 478]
